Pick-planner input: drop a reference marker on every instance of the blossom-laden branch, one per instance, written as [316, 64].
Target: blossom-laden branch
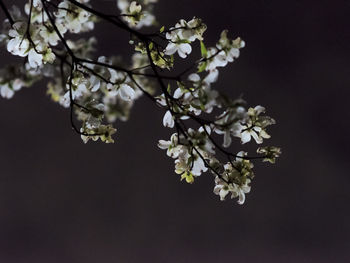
[100, 91]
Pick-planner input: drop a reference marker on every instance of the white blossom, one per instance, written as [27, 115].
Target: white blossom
[255, 126]
[182, 35]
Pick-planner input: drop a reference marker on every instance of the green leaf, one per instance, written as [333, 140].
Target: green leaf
[203, 50]
[169, 88]
[162, 29]
[201, 67]
[183, 41]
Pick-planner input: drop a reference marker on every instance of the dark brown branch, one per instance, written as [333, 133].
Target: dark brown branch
[7, 13]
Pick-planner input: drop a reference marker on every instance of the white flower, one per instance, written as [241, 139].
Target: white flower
[251, 132]
[194, 29]
[172, 147]
[75, 21]
[216, 59]
[222, 188]
[189, 163]
[255, 126]
[18, 47]
[18, 44]
[134, 14]
[182, 35]
[189, 31]
[168, 120]
[183, 49]
[50, 35]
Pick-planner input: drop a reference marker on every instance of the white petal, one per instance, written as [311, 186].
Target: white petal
[6, 92]
[126, 92]
[212, 76]
[170, 49]
[217, 188]
[95, 83]
[256, 137]
[168, 120]
[175, 152]
[12, 45]
[223, 194]
[194, 77]
[17, 84]
[264, 134]
[35, 60]
[241, 197]
[259, 109]
[207, 129]
[198, 167]
[227, 139]
[245, 137]
[123, 5]
[184, 50]
[178, 93]
[162, 144]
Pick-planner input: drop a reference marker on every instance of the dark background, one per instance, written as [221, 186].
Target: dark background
[63, 201]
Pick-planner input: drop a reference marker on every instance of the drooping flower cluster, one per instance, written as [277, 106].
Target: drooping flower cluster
[235, 179]
[100, 90]
[190, 153]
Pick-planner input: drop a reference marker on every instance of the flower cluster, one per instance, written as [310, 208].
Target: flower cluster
[243, 124]
[182, 35]
[27, 41]
[235, 179]
[137, 14]
[190, 153]
[13, 78]
[100, 90]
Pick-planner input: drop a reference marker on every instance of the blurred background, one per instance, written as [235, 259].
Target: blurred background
[63, 201]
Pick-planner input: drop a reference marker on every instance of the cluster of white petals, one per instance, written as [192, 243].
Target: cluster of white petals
[239, 122]
[235, 179]
[189, 153]
[182, 35]
[137, 13]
